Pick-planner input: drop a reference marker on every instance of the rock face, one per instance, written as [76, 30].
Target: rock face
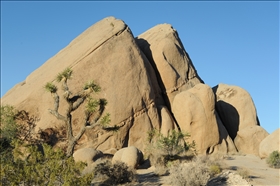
[174, 69]
[129, 155]
[235, 107]
[238, 114]
[226, 144]
[269, 144]
[194, 111]
[167, 122]
[126, 78]
[248, 139]
[149, 83]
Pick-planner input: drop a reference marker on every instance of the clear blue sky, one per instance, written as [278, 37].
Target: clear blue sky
[236, 43]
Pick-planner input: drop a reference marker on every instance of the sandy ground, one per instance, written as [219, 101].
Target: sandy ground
[259, 174]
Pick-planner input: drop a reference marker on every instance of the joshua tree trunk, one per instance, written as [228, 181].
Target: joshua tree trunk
[93, 106]
[70, 148]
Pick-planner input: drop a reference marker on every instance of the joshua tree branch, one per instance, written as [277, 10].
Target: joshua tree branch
[78, 102]
[66, 89]
[98, 116]
[56, 106]
[57, 115]
[92, 125]
[56, 101]
[80, 133]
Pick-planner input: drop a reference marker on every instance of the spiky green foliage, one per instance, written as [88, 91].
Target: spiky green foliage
[92, 105]
[105, 120]
[94, 108]
[65, 74]
[273, 160]
[93, 86]
[174, 143]
[50, 87]
[103, 102]
[42, 167]
[162, 149]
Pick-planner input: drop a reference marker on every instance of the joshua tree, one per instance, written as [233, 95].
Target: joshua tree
[93, 112]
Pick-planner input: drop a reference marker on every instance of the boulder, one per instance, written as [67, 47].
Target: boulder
[194, 111]
[174, 69]
[88, 155]
[248, 139]
[108, 54]
[269, 144]
[226, 144]
[167, 122]
[235, 107]
[129, 155]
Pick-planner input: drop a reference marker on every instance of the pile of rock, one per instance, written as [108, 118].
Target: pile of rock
[150, 83]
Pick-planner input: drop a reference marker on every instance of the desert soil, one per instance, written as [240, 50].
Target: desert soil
[259, 174]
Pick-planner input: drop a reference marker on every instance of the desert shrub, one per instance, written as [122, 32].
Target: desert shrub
[273, 160]
[163, 149]
[195, 173]
[244, 173]
[213, 162]
[112, 174]
[43, 166]
[214, 169]
[26, 161]
[8, 127]
[173, 144]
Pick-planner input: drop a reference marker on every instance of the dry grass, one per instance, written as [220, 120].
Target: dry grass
[273, 160]
[195, 173]
[244, 173]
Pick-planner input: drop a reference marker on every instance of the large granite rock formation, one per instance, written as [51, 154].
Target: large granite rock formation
[235, 107]
[165, 51]
[239, 116]
[149, 82]
[107, 53]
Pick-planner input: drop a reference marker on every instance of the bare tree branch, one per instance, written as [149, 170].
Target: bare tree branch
[78, 102]
[57, 115]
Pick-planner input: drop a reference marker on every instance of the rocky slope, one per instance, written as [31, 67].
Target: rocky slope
[150, 83]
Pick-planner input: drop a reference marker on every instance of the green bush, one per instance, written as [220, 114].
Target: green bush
[43, 166]
[214, 169]
[24, 161]
[112, 174]
[273, 160]
[8, 129]
[163, 149]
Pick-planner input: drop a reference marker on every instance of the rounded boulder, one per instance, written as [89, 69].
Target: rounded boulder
[88, 155]
[129, 155]
[248, 139]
